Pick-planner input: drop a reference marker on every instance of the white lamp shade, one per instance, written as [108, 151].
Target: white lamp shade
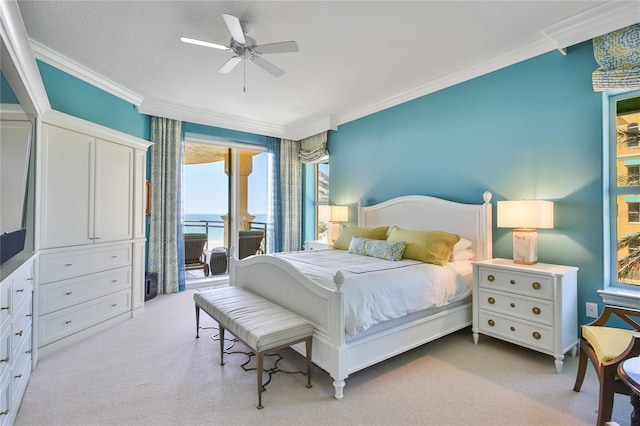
[534, 214]
[333, 213]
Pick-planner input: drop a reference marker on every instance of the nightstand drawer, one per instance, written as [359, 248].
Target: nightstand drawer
[526, 284]
[527, 308]
[517, 331]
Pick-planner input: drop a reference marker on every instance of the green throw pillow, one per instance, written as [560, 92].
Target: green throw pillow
[426, 246]
[347, 232]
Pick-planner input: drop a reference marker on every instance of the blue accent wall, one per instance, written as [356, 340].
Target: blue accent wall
[531, 130]
[75, 97]
[6, 94]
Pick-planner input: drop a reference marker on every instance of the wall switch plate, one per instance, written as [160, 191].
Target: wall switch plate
[592, 310]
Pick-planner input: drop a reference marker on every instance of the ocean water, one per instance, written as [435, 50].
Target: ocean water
[215, 231]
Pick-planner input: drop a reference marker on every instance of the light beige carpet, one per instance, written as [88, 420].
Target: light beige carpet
[152, 371]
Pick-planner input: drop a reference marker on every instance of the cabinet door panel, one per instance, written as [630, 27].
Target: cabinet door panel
[67, 183]
[114, 192]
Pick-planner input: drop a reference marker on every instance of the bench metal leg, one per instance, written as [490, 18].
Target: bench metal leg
[221, 328]
[308, 344]
[259, 366]
[197, 322]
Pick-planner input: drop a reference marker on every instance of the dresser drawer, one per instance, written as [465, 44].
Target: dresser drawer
[56, 266]
[5, 300]
[515, 330]
[527, 284]
[5, 397]
[63, 294]
[59, 324]
[21, 370]
[527, 308]
[5, 349]
[22, 285]
[21, 325]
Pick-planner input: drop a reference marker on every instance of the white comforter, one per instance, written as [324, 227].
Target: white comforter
[377, 290]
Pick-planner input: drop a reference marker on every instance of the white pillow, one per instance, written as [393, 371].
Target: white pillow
[462, 245]
[466, 254]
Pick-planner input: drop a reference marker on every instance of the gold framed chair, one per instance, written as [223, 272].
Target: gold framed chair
[606, 347]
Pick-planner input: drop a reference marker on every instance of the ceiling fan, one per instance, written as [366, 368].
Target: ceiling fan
[245, 47]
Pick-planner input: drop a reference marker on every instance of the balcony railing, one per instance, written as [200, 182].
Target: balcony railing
[215, 231]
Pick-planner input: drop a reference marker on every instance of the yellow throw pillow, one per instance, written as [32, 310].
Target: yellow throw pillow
[426, 246]
[347, 232]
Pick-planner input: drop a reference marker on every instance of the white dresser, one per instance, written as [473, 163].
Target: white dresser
[16, 319]
[534, 306]
[91, 229]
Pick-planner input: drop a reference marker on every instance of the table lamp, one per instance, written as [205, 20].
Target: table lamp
[526, 216]
[333, 215]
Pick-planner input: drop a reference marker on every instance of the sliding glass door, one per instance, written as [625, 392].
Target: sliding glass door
[226, 199]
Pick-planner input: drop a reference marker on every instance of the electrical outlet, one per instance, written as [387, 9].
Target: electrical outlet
[592, 310]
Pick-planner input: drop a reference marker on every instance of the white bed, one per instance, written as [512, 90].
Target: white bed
[335, 350]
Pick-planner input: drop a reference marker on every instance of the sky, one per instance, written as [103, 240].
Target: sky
[206, 187]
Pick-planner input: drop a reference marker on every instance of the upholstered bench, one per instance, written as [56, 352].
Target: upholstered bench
[258, 323]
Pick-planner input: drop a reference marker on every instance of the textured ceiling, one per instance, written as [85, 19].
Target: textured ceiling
[356, 57]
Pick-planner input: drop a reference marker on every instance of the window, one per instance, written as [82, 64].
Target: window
[624, 159]
[322, 197]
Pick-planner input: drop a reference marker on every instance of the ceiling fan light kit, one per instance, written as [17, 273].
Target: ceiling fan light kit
[245, 47]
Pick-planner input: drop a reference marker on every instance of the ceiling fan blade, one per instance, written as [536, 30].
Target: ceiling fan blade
[203, 43]
[235, 28]
[267, 66]
[282, 47]
[230, 64]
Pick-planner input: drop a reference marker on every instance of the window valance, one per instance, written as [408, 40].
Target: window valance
[314, 149]
[618, 54]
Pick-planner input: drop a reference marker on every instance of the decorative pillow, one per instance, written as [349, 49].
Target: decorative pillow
[458, 255]
[426, 246]
[347, 232]
[377, 248]
[385, 250]
[357, 246]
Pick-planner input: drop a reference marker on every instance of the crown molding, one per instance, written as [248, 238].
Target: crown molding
[160, 108]
[485, 67]
[584, 26]
[594, 22]
[83, 73]
[19, 65]
[591, 23]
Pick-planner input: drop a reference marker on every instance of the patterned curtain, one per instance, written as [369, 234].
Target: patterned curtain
[274, 214]
[314, 149]
[166, 236]
[291, 195]
[618, 54]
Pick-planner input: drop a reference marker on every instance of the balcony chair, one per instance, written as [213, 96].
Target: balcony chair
[249, 242]
[194, 255]
[607, 347]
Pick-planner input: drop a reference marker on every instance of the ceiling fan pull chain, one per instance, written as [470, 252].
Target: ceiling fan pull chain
[244, 76]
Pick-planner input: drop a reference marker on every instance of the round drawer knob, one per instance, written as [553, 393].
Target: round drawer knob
[512, 281]
[536, 335]
[536, 310]
[512, 328]
[536, 286]
[513, 305]
[491, 300]
[491, 323]
[491, 278]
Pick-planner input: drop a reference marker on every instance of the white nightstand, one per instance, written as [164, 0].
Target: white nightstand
[534, 306]
[316, 245]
